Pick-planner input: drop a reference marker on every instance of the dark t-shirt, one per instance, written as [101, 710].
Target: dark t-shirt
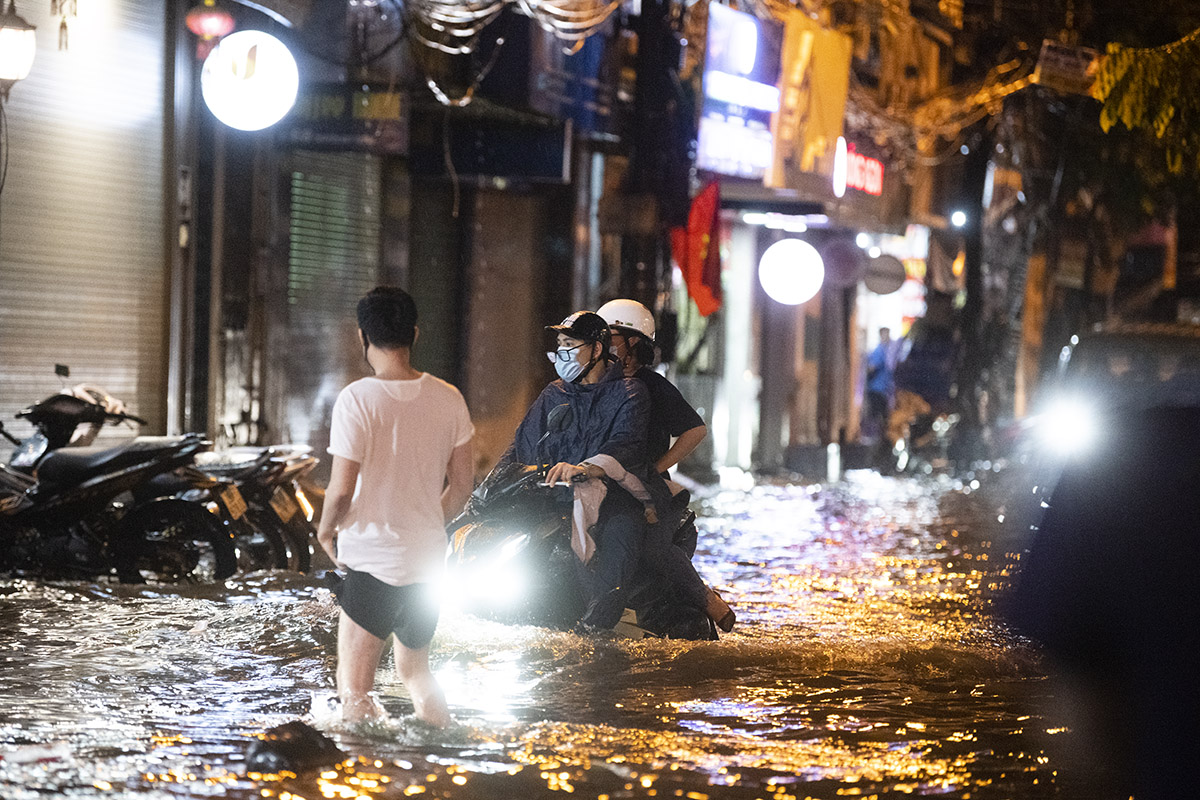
[670, 414]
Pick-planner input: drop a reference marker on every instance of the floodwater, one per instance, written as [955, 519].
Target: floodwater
[867, 662]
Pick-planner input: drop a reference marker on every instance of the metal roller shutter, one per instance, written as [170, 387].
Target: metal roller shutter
[83, 266]
[333, 259]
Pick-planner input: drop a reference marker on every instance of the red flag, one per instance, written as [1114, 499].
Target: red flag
[697, 250]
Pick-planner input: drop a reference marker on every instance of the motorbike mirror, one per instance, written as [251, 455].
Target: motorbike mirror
[559, 418]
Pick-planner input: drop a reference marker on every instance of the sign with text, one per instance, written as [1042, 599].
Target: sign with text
[741, 73]
[1066, 68]
[852, 169]
[350, 117]
[816, 80]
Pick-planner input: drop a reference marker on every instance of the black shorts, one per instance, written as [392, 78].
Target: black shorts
[410, 612]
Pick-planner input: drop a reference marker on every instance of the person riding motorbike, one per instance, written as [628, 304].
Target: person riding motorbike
[671, 416]
[605, 441]
[632, 328]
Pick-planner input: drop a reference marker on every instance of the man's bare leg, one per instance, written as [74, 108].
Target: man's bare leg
[429, 702]
[358, 659]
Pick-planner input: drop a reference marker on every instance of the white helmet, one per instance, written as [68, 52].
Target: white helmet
[629, 314]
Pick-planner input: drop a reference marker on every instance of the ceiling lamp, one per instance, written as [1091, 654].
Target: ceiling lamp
[209, 23]
[18, 46]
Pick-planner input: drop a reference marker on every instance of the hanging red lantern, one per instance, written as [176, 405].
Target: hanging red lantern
[209, 23]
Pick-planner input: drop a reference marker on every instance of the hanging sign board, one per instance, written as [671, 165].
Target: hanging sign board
[741, 73]
[1065, 68]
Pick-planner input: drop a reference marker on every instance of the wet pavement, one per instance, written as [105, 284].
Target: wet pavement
[868, 661]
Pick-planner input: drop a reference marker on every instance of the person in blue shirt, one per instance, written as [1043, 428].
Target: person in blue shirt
[880, 383]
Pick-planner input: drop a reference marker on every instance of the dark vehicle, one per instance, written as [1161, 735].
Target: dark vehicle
[512, 561]
[72, 417]
[69, 518]
[1111, 588]
[1104, 377]
[254, 493]
[259, 497]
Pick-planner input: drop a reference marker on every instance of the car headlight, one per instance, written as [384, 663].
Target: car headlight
[1068, 427]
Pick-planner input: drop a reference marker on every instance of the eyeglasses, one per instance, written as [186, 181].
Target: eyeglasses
[564, 354]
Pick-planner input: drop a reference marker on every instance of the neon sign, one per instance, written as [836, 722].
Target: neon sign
[856, 171]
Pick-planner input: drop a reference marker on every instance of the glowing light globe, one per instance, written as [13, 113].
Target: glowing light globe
[791, 271]
[250, 80]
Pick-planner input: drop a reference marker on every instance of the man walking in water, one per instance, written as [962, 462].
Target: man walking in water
[402, 468]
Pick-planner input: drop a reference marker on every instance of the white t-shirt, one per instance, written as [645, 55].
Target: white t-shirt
[401, 433]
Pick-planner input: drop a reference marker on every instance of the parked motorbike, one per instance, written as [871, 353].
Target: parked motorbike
[71, 520]
[71, 417]
[254, 494]
[921, 438]
[511, 560]
[258, 495]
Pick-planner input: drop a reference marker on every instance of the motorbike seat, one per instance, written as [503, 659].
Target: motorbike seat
[74, 465]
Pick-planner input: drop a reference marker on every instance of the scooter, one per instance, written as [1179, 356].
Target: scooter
[511, 561]
[255, 494]
[71, 417]
[258, 493]
[70, 520]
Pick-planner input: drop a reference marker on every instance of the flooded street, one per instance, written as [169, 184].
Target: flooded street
[866, 662]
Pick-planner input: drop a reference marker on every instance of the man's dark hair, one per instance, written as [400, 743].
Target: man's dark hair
[387, 316]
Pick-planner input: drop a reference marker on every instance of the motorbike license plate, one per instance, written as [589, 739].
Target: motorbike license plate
[284, 504]
[232, 499]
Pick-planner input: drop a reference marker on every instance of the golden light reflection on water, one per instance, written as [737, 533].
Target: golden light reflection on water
[865, 662]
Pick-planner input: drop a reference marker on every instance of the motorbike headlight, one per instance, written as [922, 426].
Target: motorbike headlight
[513, 546]
[494, 585]
[1068, 427]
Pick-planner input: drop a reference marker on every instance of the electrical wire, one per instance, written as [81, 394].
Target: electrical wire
[3, 145]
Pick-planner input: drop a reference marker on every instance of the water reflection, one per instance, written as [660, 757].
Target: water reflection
[866, 662]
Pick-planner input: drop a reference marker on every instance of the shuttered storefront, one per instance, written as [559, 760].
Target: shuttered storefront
[83, 249]
[333, 259]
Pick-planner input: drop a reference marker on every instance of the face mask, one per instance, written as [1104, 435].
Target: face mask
[569, 370]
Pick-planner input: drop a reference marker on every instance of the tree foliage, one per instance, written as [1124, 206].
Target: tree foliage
[1154, 89]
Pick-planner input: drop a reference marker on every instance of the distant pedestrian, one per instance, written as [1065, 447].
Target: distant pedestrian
[402, 468]
[881, 385]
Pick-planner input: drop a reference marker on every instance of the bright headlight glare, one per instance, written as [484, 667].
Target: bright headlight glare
[513, 546]
[1068, 427]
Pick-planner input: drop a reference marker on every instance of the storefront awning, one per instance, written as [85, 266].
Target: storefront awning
[753, 196]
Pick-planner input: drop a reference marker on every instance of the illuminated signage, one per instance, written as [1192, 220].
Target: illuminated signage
[741, 73]
[856, 171]
[250, 80]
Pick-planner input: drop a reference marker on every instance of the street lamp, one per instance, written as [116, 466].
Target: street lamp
[18, 45]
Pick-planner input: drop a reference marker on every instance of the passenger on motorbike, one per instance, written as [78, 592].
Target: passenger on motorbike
[606, 439]
[671, 416]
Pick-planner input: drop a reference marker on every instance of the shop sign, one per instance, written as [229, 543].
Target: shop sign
[350, 117]
[854, 170]
[741, 73]
[1066, 68]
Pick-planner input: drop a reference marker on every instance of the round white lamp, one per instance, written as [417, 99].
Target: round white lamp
[250, 80]
[791, 271]
[18, 46]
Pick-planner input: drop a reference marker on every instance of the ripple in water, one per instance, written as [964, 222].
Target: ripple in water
[866, 662]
